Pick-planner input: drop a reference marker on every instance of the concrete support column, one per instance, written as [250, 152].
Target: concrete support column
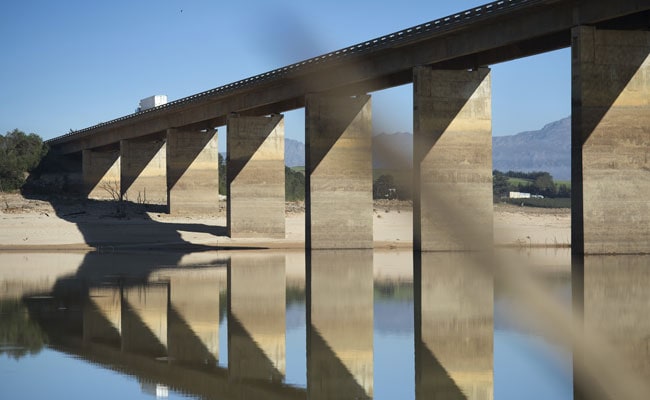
[192, 171]
[257, 316]
[102, 315]
[453, 327]
[610, 141]
[338, 172]
[340, 324]
[144, 171]
[144, 319]
[256, 176]
[101, 174]
[452, 159]
[193, 319]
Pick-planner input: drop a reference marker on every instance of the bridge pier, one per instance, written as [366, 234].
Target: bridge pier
[610, 141]
[143, 171]
[338, 198]
[452, 159]
[192, 171]
[101, 174]
[255, 172]
[453, 305]
[257, 315]
[340, 324]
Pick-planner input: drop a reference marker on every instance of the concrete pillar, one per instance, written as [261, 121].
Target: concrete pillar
[340, 324]
[257, 315]
[101, 174]
[610, 141]
[256, 176]
[193, 319]
[338, 172]
[453, 328]
[452, 159]
[192, 172]
[616, 309]
[102, 315]
[144, 319]
[144, 171]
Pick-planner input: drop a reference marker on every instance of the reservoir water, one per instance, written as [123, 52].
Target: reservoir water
[258, 324]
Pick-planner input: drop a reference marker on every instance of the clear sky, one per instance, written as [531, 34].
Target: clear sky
[70, 64]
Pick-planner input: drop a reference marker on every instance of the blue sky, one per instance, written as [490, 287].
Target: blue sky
[70, 64]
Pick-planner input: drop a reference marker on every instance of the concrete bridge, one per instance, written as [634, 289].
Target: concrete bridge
[169, 154]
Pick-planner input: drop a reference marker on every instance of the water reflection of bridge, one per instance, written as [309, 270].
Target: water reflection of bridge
[163, 327]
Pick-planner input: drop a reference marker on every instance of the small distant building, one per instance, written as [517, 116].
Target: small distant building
[151, 102]
[519, 195]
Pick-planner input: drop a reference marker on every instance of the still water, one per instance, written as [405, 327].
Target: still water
[327, 325]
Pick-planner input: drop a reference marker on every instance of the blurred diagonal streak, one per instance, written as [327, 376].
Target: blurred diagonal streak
[600, 372]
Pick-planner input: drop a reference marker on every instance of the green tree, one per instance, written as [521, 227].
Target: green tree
[19, 154]
[294, 184]
[222, 176]
[544, 185]
[384, 187]
[500, 185]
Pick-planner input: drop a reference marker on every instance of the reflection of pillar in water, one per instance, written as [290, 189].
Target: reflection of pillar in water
[453, 327]
[617, 305]
[340, 324]
[194, 314]
[102, 315]
[144, 319]
[257, 313]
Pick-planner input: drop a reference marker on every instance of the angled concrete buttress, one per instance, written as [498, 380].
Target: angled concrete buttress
[101, 174]
[144, 171]
[610, 141]
[452, 159]
[192, 171]
[255, 172]
[338, 198]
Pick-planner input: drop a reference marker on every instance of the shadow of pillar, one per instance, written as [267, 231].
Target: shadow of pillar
[144, 319]
[453, 327]
[193, 320]
[143, 175]
[256, 317]
[338, 174]
[610, 141]
[452, 159]
[192, 171]
[255, 172]
[101, 173]
[340, 324]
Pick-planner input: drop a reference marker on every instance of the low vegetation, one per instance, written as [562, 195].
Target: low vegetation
[536, 183]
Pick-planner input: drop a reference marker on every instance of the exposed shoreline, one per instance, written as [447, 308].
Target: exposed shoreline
[69, 224]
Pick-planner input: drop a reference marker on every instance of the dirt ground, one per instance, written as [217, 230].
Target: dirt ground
[71, 223]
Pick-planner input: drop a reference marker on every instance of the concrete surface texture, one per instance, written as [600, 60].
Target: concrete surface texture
[611, 141]
[101, 174]
[340, 325]
[454, 328]
[143, 167]
[192, 171]
[338, 201]
[257, 319]
[452, 160]
[255, 169]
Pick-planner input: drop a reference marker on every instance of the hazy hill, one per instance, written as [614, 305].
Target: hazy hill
[548, 149]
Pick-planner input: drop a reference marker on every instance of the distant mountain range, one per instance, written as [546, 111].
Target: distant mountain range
[547, 149]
